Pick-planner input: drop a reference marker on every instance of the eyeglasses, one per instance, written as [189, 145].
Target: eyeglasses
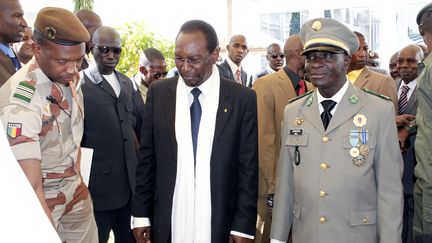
[157, 75]
[106, 49]
[275, 56]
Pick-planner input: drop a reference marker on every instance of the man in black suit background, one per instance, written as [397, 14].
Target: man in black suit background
[407, 60]
[237, 51]
[197, 175]
[108, 129]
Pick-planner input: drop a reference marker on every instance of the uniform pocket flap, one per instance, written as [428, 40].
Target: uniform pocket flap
[363, 217]
[297, 140]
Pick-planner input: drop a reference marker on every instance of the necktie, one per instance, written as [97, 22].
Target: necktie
[302, 87]
[16, 62]
[238, 76]
[403, 100]
[195, 112]
[326, 116]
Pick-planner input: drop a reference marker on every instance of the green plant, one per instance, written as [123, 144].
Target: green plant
[137, 37]
[83, 4]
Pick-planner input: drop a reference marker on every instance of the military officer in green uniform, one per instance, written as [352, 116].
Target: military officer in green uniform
[340, 168]
[422, 222]
[43, 117]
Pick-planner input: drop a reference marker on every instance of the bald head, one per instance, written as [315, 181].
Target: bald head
[106, 35]
[407, 61]
[237, 49]
[90, 20]
[293, 58]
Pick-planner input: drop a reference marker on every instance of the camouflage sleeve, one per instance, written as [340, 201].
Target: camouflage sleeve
[22, 127]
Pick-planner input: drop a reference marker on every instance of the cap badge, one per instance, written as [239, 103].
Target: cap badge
[316, 25]
[50, 32]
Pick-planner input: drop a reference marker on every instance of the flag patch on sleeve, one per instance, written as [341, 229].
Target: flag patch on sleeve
[14, 129]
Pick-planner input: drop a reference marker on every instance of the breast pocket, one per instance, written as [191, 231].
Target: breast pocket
[295, 145]
[363, 225]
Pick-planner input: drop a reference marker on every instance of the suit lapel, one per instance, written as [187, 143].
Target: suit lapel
[107, 87]
[169, 104]
[345, 109]
[286, 84]
[412, 103]
[362, 78]
[224, 109]
[310, 112]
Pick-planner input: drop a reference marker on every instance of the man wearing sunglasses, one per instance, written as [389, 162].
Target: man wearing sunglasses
[152, 67]
[275, 58]
[108, 129]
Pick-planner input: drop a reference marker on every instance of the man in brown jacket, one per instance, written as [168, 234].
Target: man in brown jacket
[273, 93]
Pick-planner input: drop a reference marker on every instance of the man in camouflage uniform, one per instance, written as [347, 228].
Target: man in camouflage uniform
[43, 117]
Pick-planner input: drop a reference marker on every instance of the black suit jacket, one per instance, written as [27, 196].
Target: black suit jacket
[233, 165]
[408, 178]
[228, 74]
[108, 129]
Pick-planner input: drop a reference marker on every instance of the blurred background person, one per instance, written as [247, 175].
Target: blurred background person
[275, 61]
[25, 52]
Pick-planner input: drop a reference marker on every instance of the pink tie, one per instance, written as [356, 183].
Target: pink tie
[237, 76]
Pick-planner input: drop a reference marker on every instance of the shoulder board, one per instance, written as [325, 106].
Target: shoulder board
[376, 94]
[300, 96]
[25, 91]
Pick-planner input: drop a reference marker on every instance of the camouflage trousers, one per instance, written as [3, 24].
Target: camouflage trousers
[71, 207]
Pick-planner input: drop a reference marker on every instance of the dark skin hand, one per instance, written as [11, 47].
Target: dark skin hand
[239, 239]
[142, 234]
[404, 120]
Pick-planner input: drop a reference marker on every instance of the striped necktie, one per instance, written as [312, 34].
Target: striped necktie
[403, 100]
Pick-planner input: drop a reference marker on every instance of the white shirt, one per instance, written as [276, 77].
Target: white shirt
[412, 85]
[113, 81]
[336, 98]
[234, 67]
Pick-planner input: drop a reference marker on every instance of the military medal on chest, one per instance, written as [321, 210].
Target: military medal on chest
[358, 139]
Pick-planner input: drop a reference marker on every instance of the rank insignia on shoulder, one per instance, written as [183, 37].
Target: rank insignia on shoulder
[353, 99]
[376, 94]
[14, 129]
[299, 97]
[25, 90]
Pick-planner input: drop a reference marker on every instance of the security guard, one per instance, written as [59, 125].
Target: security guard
[340, 167]
[43, 117]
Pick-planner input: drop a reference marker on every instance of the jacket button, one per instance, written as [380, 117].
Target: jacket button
[365, 220]
[324, 166]
[325, 139]
[323, 220]
[322, 193]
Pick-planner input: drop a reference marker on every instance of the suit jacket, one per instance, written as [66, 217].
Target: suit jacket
[273, 93]
[7, 68]
[408, 156]
[108, 129]
[254, 77]
[233, 163]
[326, 198]
[228, 74]
[379, 83]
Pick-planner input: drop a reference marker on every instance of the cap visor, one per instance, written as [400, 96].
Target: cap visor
[330, 49]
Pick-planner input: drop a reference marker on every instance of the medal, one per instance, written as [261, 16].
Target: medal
[299, 121]
[364, 150]
[354, 152]
[359, 161]
[359, 120]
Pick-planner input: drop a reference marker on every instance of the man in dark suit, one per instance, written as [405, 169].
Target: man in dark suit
[108, 129]
[197, 175]
[12, 24]
[275, 58]
[407, 61]
[237, 51]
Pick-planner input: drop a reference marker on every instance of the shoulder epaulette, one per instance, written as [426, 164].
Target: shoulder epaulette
[25, 91]
[376, 94]
[300, 96]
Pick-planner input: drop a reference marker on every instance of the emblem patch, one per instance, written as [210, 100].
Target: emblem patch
[14, 129]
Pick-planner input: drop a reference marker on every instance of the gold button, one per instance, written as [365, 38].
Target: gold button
[323, 220]
[365, 220]
[325, 139]
[324, 166]
[322, 193]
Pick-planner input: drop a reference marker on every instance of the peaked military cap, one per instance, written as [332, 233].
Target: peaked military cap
[425, 9]
[328, 35]
[60, 26]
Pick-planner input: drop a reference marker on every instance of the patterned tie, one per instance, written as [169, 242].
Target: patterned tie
[403, 100]
[16, 63]
[238, 76]
[302, 87]
[195, 112]
[326, 116]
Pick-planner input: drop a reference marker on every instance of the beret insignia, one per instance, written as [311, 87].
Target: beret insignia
[50, 32]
